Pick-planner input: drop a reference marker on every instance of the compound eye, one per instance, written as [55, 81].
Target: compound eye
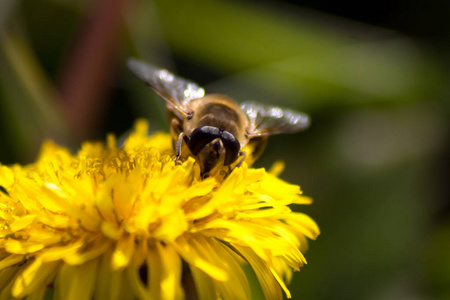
[232, 147]
[202, 136]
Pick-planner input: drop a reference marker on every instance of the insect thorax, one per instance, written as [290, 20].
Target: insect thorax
[220, 116]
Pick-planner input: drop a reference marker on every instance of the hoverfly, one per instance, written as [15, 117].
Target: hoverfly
[214, 127]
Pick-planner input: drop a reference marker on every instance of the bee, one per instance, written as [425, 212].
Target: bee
[214, 127]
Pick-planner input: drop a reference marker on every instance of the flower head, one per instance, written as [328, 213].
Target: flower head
[127, 223]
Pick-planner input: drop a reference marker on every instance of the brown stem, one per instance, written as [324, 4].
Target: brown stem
[83, 83]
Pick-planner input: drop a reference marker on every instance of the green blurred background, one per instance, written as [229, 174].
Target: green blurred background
[374, 76]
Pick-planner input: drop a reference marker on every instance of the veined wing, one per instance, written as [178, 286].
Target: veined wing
[268, 120]
[176, 91]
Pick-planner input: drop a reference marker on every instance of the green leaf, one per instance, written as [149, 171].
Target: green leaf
[283, 54]
[29, 99]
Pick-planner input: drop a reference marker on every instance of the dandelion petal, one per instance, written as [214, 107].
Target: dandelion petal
[127, 223]
[164, 266]
[109, 283]
[82, 281]
[35, 274]
[268, 283]
[22, 247]
[204, 284]
[189, 250]
[10, 260]
[123, 252]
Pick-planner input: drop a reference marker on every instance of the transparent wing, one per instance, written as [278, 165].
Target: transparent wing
[177, 92]
[268, 120]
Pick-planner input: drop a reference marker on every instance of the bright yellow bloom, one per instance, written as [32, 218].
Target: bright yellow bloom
[126, 223]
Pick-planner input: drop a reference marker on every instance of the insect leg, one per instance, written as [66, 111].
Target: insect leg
[244, 154]
[175, 130]
[178, 148]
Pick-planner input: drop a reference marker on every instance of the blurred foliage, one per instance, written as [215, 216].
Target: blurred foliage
[375, 159]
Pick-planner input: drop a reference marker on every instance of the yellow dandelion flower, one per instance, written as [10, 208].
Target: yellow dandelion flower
[127, 223]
